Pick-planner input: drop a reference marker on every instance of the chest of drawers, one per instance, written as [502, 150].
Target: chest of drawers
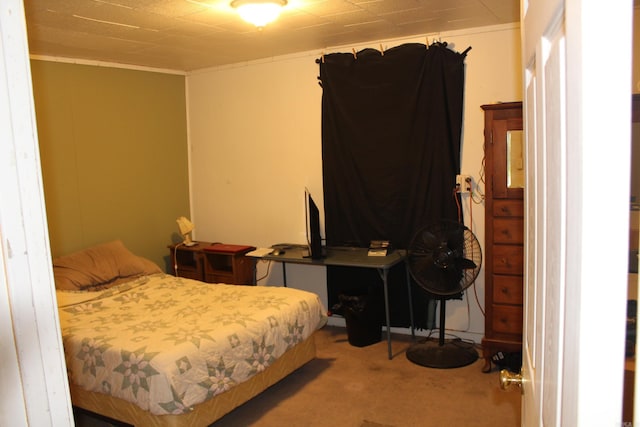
[504, 231]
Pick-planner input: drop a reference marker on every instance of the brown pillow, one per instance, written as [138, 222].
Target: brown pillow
[99, 265]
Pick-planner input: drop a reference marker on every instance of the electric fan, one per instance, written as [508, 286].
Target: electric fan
[444, 259]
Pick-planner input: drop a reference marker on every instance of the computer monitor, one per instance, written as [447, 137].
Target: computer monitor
[314, 239]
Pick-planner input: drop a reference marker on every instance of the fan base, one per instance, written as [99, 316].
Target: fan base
[451, 354]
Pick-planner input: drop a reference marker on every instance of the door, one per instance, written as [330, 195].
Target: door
[33, 377]
[576, 209]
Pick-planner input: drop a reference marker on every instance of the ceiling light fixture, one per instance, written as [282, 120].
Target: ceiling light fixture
[259, 12]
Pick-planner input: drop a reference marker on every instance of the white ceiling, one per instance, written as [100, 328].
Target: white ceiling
[186, 35]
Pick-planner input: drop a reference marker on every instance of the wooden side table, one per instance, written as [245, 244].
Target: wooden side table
[228, 264]
[213, 262]
[187, 261]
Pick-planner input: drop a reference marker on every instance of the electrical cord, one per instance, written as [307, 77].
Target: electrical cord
[478, 192]
[475, 288]
[456, 189]
[450, 336]
[477, 197]
[175, 258]
[267, 273]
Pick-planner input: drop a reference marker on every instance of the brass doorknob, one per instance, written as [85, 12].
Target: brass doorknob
[508, 378]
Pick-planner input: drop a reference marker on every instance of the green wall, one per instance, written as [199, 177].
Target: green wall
[113, 146]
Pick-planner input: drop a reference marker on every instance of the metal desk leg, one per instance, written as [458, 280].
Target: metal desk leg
[386, 310]
[413, 333]
[255, 273]
[284, 274]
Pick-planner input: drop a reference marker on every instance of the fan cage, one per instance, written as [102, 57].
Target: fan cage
[445, 258]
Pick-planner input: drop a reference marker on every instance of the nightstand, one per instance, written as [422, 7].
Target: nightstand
[187, 260]
[213, 263]
[228, 264]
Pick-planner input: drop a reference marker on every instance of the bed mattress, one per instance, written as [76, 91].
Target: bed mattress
[167, 344]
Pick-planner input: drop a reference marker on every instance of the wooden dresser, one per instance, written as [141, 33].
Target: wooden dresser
[504, 229]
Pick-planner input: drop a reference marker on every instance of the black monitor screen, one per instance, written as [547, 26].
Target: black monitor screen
[313, 228]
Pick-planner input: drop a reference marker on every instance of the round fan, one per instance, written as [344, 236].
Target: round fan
[444, 260]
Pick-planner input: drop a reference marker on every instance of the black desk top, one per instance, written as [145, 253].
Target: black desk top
[342, 256]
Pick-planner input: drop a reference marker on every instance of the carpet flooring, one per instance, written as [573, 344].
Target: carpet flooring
[347, 386]
[359, 386]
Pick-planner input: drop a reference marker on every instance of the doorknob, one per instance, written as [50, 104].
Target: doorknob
[508, 378]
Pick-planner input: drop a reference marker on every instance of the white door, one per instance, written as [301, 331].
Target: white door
[577, 97]
[33, 377]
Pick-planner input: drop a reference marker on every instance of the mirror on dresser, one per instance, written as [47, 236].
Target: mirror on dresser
[515, 159]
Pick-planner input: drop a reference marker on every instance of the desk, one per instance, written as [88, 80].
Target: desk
[351, 257]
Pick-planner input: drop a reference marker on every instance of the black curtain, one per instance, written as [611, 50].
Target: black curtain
[391, 129]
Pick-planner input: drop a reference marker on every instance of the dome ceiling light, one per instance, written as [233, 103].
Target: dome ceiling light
[259, 12]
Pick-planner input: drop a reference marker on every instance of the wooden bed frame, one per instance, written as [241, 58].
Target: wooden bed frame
[206, 412]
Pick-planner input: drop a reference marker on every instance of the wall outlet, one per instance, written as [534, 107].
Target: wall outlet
[464, 183]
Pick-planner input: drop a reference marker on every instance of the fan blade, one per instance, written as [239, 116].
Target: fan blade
[427, 274]
[453, 277]
[465, 263]
[447, 282]
[455, 240]
[429, 241]
[419, 265]
[419, 257]
[436, 281]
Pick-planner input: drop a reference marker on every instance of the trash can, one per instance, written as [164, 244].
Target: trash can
[364, 321]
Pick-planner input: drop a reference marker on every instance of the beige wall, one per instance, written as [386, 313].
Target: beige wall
[255, 139]
[114, 156]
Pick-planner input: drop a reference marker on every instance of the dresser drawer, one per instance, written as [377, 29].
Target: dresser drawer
[507, 319]
[508, 230]
[507, 289]
[508, 259]
[514, 208]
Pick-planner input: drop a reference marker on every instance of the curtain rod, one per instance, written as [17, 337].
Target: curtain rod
[355, 55]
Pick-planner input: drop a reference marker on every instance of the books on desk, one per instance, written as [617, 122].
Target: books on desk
[260, 252]
[379, 248]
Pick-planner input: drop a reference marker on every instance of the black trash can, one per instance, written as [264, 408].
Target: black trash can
[363, 319]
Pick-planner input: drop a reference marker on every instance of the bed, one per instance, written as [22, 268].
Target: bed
[146, 348]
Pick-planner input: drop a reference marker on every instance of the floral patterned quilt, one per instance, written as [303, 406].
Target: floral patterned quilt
[168, 343]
